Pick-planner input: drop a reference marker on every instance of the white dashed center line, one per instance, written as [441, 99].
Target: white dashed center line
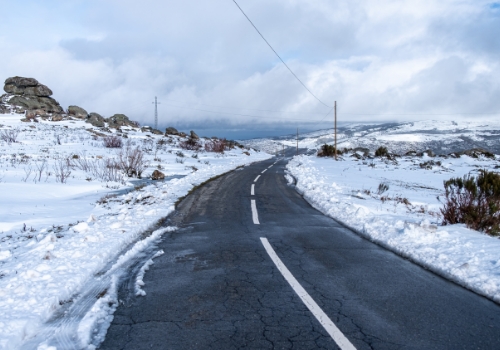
[255, 216]
[325, 321]
[263, 171]
[256, 178]
[252, 192]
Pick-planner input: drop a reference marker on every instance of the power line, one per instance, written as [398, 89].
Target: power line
[296, 77]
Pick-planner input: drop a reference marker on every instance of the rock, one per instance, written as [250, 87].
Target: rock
[26, 86]
[182, 134]
[118, 120]
[31, 114]
[365, 152]
[49, 105]
[21, 81]
[96, 120]
[156, 132]
[12, 89]
[194, 136]
[77, 112]
[40, 90]
[27, 94]
[171, 131]
[57, 117]
[157, 175]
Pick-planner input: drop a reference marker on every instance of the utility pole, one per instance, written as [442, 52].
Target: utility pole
[156, 112]
[335, 109]
[297, 141]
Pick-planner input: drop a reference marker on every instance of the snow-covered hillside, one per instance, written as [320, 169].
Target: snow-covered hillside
[442, 137]
[71, 221]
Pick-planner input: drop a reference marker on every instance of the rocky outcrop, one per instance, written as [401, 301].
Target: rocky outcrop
[26, 103]
[27, 94]
[157, 175]
[171, 131]
[77, 112]
[194, 136]
[119, 120]
[96, 120]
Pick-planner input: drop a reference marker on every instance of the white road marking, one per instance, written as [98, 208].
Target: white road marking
[256, 178]
[252, 192]
[255, 216]
[263, 171]
[325, 321]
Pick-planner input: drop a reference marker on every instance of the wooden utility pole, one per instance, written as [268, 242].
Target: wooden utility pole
[335, 110]
[297, 141]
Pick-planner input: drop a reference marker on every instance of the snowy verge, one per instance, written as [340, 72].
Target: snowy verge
[405, 219]
[41, 278]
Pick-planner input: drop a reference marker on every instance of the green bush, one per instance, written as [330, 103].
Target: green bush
[381, 152]
[328, 151]
[474, 201]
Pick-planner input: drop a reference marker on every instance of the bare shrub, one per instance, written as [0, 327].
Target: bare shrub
[474, 201]
[108, 169]
[62, 170]
[190, 144]
[382, 187]
[132, 162]
[40, 168]
[216, 145]
[112, 141]
[27, 172]
[9, 135]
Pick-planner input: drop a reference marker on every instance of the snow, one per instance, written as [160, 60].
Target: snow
[63, 246]
[406, 218]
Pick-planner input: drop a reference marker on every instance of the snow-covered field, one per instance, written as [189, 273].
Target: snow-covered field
[395, 203]
[69, 227]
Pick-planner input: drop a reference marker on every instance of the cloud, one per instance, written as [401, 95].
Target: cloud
[381, 60]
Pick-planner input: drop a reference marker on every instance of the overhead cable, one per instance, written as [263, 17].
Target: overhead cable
[296, 77]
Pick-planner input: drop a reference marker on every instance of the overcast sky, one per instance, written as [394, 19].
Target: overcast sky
[380, 60]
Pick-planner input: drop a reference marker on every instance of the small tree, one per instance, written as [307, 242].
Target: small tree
[381, 152]
[474, 201]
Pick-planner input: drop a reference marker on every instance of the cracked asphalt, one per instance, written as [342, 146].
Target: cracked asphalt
[216, 288]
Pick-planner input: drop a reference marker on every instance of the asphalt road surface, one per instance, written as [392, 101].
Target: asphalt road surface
[217, 287]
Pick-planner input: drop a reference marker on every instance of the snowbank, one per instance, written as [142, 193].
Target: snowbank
[405, 218]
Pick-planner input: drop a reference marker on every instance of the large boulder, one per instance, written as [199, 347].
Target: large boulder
[26, 86]
[35, 102]
[171, 131]
[194, 136]
[28, 95]
[118, 120]
[21, 81]
[39, 90]
[77, 112]
[157, 175]
[96, 120]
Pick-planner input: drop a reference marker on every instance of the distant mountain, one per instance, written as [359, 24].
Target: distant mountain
[442, 137]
